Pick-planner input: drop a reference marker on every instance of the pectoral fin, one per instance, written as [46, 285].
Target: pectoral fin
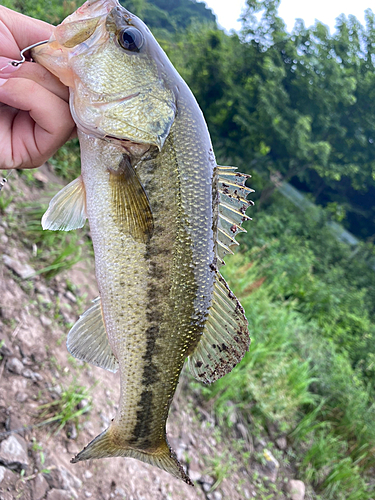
[67, 209]
[225, 338]
[131, 208]
[88, 340]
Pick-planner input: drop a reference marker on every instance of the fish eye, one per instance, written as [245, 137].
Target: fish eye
[131, 39]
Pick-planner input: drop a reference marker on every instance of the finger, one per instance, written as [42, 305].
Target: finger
[44, 125]
[38, 74]
[25, 30]
[6, 68]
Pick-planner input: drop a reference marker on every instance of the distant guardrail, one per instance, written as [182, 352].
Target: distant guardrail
[300, 201]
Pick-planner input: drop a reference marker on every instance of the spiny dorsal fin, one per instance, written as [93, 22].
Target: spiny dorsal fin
[88, 340]
[67, 209]
[225, 338]
[131, 208]
[232, 208]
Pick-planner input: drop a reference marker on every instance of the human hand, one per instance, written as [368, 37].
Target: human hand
[34, 112]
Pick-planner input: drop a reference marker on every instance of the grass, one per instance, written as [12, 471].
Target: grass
[66, 409]
[56, 251]
[296, 379]
[220, 467]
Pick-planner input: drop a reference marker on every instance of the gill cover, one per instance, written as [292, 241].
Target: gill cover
[122, 89]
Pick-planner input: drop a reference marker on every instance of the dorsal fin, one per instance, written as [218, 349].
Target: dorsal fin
[232, 208]
[225, 338]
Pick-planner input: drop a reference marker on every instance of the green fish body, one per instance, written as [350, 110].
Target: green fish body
[162, 216]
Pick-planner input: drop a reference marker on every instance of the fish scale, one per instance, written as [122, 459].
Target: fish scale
[162, 216]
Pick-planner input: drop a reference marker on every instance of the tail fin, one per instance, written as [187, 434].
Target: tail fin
[103, 446]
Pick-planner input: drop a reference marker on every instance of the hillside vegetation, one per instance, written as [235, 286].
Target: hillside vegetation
[299, 106]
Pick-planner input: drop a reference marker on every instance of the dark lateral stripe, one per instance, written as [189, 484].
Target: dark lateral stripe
[142, 429]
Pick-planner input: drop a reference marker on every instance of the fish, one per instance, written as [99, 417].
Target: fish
[162, 216]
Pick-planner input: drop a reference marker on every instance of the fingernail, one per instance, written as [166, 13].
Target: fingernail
[2, 81]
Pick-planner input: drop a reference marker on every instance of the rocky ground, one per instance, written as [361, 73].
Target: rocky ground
[39, 381]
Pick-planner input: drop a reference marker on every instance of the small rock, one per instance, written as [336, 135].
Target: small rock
[41, 288]
[45, 321]
[39, 176]
[215, 495]
[246, 492]
[2, 473]
[206, 487]
[260, 444]
[71, 431]
[24, 271]
[14, 365]
[26, 361]
[4, 239]
[40, 487]
[69, 295]
[195, 475]
[192, 439]
[21, 397]
[88, 494]
[35, 377]
[5, 352]
[206, 483]
[282, 443]
[13, 453]
[16, 421]
[62, 479]
[84, 403]
[88, 474]
[296, 489]
[59, 495]
[120, 491]
[272, 465]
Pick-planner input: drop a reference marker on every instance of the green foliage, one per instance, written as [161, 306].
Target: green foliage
[67, 161]
[56, 251]
[320, 276]
[169, 16]
[298, 379]
[51, 11]
[271, 382]
[68, 408]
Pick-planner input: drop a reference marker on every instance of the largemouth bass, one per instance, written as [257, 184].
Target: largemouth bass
[162, 216]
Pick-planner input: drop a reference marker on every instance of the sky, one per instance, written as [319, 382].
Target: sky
[326, 11]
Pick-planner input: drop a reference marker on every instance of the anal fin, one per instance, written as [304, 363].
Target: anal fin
[67, 209]
[225, 338]
[88, 340]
